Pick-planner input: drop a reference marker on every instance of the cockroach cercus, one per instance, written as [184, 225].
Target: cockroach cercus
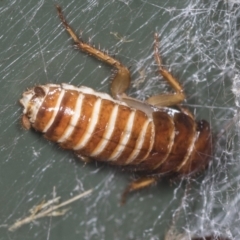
[147, 137]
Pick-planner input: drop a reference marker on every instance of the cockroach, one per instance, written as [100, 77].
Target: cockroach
[151, 137]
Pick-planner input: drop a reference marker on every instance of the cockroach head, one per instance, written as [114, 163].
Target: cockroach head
[31, 101]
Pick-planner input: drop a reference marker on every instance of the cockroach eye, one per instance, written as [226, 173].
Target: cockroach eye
[39, 92]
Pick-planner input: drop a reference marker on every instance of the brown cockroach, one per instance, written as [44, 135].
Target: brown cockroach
[148, 137]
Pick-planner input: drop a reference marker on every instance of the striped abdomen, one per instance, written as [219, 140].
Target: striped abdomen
[97, 126]
[181, 144]
[92, 124]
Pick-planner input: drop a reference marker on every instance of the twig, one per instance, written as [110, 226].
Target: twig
[37, 212]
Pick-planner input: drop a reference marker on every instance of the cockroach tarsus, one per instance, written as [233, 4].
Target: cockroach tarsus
[152, 138]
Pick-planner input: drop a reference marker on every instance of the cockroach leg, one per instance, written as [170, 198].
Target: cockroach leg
[84, 158]
[25, 122]
[138, 104]
[186, 111]
[136, 185]
[171, 99]
[121, 79]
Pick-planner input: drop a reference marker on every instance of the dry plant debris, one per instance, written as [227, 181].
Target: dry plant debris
[48, 209]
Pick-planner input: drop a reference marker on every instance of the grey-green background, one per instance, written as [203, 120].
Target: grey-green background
[199, 43]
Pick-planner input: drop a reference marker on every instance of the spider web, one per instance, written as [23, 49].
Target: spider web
[199, 43]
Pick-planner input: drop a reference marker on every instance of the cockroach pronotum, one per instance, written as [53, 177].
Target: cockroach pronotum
[148, 136]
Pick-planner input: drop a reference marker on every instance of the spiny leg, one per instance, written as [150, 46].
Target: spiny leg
[186, 111]
[122, 78]
[136, 185]
[165, 100]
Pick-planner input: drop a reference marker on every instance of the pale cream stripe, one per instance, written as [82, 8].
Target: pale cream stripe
[169, 147]
[124, 138]
[139, 143]
[91, 125]
[74, 118]
[108, 132]
[38, 103]
[55, 110]
[190, 149]
[87, 90]
[151, 142]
